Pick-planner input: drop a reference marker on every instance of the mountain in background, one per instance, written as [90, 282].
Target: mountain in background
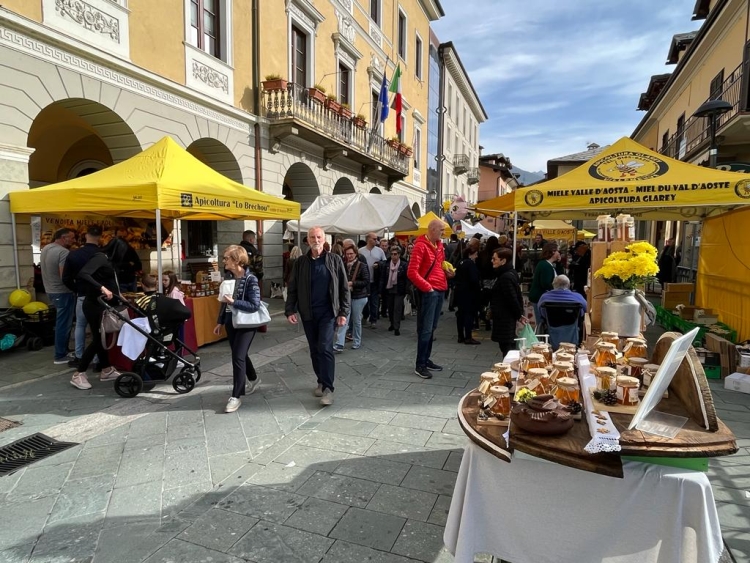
[525, 178]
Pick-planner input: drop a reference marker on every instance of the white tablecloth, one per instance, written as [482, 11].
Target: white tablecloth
[533, 511]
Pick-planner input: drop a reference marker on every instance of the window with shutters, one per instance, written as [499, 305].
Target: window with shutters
[206, 26]
[299, 57]
[717, 85]
[401, 34]
[375, 10]
[418, 57]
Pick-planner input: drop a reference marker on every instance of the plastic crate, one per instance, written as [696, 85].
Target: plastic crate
[42, 324]
[683, 326]
[712, 372]
[664, 317]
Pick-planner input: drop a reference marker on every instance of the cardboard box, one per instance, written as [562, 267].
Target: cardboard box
[679, 287]
[670, 300]
[706, 320]
[737, 382]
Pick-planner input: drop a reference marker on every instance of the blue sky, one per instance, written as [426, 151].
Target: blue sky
[555, 76]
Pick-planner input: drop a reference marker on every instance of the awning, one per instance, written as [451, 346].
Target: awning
[424, 221]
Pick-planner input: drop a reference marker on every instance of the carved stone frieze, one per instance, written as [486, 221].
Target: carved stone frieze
[376, 35]
[346, 27]
[89, 17]
[211, 77]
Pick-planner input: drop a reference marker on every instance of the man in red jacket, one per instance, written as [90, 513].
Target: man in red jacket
[426, 273]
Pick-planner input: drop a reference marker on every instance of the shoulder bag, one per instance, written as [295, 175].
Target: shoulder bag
[243, 319]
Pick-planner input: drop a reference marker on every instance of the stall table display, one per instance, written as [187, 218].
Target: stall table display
[199, 329]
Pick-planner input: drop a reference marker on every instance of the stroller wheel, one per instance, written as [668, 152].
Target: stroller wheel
[129, 384]
[35, 343]
[197, 374]
[183, 382]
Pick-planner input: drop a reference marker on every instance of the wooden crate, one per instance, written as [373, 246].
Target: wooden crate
[670, 299]
[726, 350]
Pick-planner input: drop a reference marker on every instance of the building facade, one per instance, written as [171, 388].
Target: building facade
[89, 84]
[495, 179]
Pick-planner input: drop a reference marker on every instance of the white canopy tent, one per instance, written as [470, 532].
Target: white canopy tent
[356, 214]
[471, 230]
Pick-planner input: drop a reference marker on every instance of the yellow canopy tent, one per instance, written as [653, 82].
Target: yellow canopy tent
[629, 178]
[583, 233]
[422, 223]
[164, 177]
[163, 181]
[549, 228]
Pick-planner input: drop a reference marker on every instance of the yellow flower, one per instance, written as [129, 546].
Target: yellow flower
[642, 248]
[630, 268]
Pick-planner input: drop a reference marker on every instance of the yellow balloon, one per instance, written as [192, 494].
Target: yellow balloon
[19, 298]
[34, 307]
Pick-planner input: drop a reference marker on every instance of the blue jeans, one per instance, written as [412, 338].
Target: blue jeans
[373, 303]
[65, 305]
[428, 316]
[353, 323]
[319, 333]
[80, 332]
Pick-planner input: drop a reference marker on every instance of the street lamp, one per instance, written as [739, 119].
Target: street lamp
[712, 109]
[431, 199]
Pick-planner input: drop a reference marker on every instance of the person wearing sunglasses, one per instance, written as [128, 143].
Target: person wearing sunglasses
[393, 286]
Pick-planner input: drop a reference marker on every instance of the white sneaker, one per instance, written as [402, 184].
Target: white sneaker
[79, 380]
[110, 375]
[318, 391]
[252, 386]
[232, 405]
[327, 398]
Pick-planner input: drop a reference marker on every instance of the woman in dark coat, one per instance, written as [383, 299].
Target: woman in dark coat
[487, 272]
[506, 301]
[467, 294]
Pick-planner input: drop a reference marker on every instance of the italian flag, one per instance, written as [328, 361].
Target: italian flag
[397, 102]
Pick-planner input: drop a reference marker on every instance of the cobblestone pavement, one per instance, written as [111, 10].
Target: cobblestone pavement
[166, 477]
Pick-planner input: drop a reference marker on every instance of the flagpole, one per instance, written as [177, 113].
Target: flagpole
[378, 108]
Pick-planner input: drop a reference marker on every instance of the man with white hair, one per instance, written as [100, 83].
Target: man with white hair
[319, 291]
[374, 255]
[561, 294]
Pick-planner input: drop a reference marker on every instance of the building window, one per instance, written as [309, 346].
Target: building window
[450, 100]
[205, 26]
[345, 81]
[299, 56]
[417, 148]
[717, 85]
[402, 135]
[375, 11]
[418, 57]
[402, 34]
[664, 140]
[374, 98]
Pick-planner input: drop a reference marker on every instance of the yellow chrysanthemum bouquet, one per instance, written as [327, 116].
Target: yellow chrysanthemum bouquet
[634, 266]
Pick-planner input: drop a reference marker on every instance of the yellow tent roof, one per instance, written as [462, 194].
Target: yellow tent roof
[423, 222]
[164, 176]
[552, 228]
[629, 178]
[583, 233]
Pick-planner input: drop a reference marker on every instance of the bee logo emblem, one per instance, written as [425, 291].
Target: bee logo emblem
[742, 189]
[626, 166]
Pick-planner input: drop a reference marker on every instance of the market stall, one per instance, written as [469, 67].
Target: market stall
[422, 224]
[549, 229]
[164, 182]
[470, 230]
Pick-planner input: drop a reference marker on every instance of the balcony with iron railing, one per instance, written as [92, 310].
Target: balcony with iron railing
[460, 163]
[472, 176]
[696, 132]
[299, 111]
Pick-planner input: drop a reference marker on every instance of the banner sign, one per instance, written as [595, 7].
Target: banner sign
[138, 233]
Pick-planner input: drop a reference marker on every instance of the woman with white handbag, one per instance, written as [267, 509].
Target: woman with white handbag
[241, 315]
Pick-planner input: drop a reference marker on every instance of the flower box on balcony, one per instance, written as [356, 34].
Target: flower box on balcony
[359, 121]
[405, 150]
[272, 84]
[333, 105]
[317, 94]
[394, 143]
[345, 111]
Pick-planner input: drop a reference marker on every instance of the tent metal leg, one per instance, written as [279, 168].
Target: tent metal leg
[158, 249]
[15, 250]
[515, 236]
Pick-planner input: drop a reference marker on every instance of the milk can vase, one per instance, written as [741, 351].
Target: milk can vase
[621, 313]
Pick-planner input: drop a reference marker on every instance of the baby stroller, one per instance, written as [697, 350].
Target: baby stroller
[165, 356]
[17, 329]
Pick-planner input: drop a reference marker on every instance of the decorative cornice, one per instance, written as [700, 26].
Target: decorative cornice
[89, 17]
[211, 77]
[16, 40]
[15, 153]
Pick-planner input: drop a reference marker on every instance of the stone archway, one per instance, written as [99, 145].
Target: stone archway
[70, 132]
[217, 155]
[415, 209]
[343, 186]
[300, 185]
[375, 191]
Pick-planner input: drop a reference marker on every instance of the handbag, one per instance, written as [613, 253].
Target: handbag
[226, 289]
[243, 319]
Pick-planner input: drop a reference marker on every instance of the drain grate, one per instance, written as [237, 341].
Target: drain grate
[6, 424]
[27, 450]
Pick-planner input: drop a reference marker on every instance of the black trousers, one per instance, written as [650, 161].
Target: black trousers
[319, 332]
[92, 310]
[240, 340]
[395, 309]
[506, 347]
[465, 317]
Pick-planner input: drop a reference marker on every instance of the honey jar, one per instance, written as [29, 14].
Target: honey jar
[487, 380]
[611, 337]
[539, 381]
[627, 390]
[499, 402]
[648, 371]
[605, 378]
[544, 349]
[562, 369]
[606, 354]
[635, 367]
[565, 357]
[635, 348]
[532, 361]
[567, 347]
[566, 390]
[503, 373]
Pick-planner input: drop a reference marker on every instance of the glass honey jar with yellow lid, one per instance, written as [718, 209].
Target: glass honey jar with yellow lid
[605, 378]
[567, 391]
[606, 354]
[627, 390]
[503, 372]
[499, 401]
[539, 381]
[531, 361]
[562, 369]
[635, 348]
